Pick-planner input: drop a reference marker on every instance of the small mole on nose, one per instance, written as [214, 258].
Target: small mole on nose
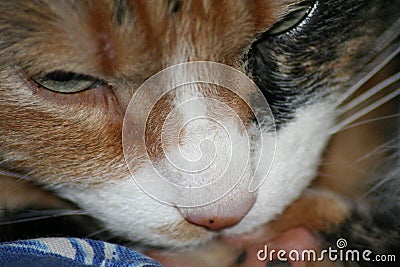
[211, 221]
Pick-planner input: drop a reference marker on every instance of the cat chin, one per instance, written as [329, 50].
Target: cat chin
[126, 210]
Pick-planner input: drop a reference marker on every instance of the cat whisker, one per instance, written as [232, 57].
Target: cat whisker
[369, 93]
[381, 54]
[388, 36]
[377, 186]
[388, 177]
[371, 121]
[12, 174]
[340, 125]
[383, 148]
[34, 215]
[370, 70]
[95, 233]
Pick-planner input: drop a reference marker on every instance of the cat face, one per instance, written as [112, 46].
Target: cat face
[70, 68]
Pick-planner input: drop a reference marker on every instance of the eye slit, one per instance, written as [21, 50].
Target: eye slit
[61, 76]
[68, 82]
[292, 19]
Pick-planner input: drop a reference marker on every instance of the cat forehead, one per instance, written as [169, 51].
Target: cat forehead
[134, 36]
[170, 32]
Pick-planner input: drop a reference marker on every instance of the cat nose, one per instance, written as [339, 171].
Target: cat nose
[219, 215]
[214, 223]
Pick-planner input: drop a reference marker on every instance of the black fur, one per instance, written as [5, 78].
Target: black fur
[294, 68]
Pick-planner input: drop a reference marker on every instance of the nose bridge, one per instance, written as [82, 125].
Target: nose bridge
[191, 107]
[198, 135]
[222, 118]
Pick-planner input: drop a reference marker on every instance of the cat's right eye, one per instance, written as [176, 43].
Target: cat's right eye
[68, 82]
[293, 18]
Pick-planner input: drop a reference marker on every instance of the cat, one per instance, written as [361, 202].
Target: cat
[68, 72]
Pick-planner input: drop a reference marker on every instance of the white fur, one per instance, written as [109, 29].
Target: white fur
[126, 210]
[298, 150]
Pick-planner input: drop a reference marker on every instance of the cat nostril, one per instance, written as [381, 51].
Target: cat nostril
[219, 215]
[214, 223]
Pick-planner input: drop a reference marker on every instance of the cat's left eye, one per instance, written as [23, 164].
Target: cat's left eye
[68, 82]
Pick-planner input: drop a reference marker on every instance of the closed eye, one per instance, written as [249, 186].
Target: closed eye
[68, 82]
[296, 15]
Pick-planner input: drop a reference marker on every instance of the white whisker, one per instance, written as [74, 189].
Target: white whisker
[370, 92]
[383, 148]
[370, 70]
[370, 121]
[374, 66]
[12, 174]
[32, 215]
[376, 186]
[387, 177]
[339, 126]
[388, 36]
[95, 233]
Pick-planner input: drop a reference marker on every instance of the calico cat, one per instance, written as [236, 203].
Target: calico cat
[70, 71]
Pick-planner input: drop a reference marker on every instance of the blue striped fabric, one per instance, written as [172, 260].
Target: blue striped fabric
[62, 252]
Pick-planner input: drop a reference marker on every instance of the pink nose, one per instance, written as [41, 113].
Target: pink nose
[221, 214]
[214, 223]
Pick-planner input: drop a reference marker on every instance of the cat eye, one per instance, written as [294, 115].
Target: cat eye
[292, 19]
[68, 82]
